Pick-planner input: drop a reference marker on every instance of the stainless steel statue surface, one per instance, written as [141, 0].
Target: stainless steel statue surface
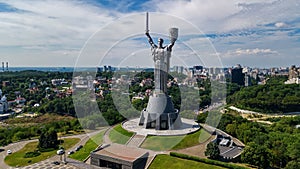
[161, 56]
[160, 113]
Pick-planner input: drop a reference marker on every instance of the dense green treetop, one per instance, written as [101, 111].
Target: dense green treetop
[273, 97]
[212, 150]
[273, 145]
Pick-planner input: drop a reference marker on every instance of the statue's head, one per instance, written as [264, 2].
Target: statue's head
[160, 42]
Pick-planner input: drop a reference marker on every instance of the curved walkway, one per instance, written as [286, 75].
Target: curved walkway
[106, 139]
[13, 147]
[265, 114]
[48, 162]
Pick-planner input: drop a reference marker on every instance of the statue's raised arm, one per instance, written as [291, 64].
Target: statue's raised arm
[153, 45]
[173, 37]
[150, 40]
[170, 46]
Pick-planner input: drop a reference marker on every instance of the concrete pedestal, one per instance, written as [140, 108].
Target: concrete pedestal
[160, 114]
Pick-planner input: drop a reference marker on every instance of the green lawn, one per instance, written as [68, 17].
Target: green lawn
[89, 146]
[17, 158]
[193, 139]
[204, 136]
[119, 135]
[166, 161]
[163, 143]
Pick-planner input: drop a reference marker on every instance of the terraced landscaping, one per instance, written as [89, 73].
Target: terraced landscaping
[163, 143]
[119, 135]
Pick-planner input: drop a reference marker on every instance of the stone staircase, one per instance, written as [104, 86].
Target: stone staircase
[136, 140]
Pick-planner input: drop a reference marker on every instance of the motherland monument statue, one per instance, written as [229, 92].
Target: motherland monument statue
[160, 113]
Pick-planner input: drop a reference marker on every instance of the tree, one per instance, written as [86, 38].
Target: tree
[90, 124]
[138, 104]
[19, 135]
[294, 148]
[212, 150]
[292, 165]
[274, 97]
[231, 129]
[48, 140]
[256, 155]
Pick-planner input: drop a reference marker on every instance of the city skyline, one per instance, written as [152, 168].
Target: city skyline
[52, 33]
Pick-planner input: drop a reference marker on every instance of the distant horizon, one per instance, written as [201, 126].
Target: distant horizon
[144, 67]
[261, 32]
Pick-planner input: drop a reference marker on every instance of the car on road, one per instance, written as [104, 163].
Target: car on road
[55, 162]
[60, 152]
[70, 152]
[9, 151]
[78, 148]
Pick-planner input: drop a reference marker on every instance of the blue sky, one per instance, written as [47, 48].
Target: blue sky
[257, 33]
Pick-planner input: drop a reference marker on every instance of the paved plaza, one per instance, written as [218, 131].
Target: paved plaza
[48, 164]
[188, 126]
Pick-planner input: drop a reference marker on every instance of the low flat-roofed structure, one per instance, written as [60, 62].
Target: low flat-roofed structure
[230, 147]
[118, 156]
[224, 142]
[230, 153]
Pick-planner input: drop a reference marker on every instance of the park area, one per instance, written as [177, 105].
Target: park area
[89, 146]
[18, 158]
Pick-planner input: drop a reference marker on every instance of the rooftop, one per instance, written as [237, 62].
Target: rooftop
[122, 152]
[230, 152]
[224, 142]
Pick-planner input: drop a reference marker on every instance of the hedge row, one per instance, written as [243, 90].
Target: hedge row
[207, 161]
[32, 154]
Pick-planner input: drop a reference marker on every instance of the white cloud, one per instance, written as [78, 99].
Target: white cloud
[50, 22]
[48, 27]
[253, 27]
[280, 25]
[228, 15]
[43, 30]
[199, 12]
[256, 51]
